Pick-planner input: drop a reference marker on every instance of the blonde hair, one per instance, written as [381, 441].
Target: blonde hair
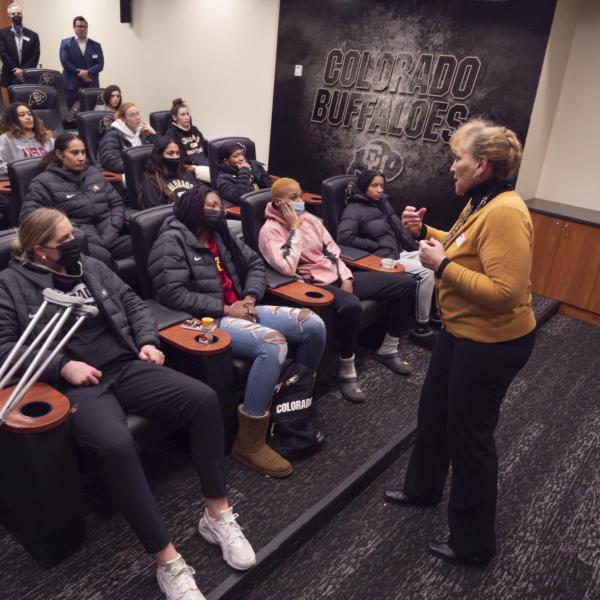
[499, 145]
[279, 184]
[120, 114]
[11, 6]
[37, 227]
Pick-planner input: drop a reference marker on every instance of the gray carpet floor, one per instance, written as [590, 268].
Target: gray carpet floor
[548, 520]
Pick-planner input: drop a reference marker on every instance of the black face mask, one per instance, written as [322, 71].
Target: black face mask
[213, 219]
[17, 20]
[69, 253]
[172, 165]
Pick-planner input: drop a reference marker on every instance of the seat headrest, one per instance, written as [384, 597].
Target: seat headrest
[252, 207]
[333, 191]
[144, 227]
[91, 127]
[20, 174]
[213, 153]
[47, 77]
[35, 96]
[160, 121]
[89, 98]
[134, 163]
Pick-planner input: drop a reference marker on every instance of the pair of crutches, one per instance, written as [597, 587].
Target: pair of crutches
[67, 305]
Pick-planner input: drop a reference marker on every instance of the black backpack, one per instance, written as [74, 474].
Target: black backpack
[291, 431]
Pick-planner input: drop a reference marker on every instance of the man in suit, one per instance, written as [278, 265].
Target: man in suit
[82, 61]
[19, 47]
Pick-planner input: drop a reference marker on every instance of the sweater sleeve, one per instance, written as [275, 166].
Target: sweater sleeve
[431, 232]
[344, 271]
[504, 249]
[281, 248]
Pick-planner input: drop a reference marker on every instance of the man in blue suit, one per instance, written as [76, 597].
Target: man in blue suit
[82, 61]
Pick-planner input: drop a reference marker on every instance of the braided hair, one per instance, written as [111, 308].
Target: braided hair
[189, 209]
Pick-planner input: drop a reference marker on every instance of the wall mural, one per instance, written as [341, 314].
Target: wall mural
[384, 84]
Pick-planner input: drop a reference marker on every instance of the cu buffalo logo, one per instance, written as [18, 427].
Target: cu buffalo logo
[37, 98]
[47, 78]
[104, 124]
[378, 156]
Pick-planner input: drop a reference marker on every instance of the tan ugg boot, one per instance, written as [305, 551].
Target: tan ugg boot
[251, 449]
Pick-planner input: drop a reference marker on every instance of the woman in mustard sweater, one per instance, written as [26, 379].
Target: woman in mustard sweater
[482, 267]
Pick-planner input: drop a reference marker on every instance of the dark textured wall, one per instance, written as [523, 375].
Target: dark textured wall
[385, 83]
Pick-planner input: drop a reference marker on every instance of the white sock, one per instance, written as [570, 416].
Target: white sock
[389, 345]
[347, 369]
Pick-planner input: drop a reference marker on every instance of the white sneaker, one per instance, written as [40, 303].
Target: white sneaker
[237, 551]
[176, 580]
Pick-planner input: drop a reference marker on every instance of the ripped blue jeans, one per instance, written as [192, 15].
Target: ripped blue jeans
[265, 344]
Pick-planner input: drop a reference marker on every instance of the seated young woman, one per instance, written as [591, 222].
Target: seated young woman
[112, 366]
[165, 176]
[190, 140]
[370, 223]
[77, 188]
[23, 135]
[126, 131]
[112, 99]
[198, 267]
[238, 176]
[295, 242]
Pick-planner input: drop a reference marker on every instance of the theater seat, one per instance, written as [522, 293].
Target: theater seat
[213, 153]
[92, 126]
[89, 98]
[134, 162]
[43, 101]
[50, 78]
[160, 121]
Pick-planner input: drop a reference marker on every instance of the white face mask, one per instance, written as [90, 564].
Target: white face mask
[298, 206]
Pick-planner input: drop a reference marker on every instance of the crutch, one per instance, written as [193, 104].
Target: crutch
[67, 304]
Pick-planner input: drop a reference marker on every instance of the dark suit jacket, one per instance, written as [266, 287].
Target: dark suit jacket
[72, 59]
[30, 53]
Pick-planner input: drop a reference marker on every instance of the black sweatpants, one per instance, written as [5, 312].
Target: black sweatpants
[121, 247]
[398, 289]
[458, 413]
[98, 421]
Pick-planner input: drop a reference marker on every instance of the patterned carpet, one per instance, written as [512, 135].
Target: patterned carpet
[112, 565]
[548, 507]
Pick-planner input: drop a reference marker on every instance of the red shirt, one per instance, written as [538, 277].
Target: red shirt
[229, 295]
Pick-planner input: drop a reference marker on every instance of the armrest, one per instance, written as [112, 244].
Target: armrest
[112, 176]
[310, 198]
[303, 294]
[164, 316]
[276, 279]
[185, 340]
[372, 262]
[233, 212]
[350, 253]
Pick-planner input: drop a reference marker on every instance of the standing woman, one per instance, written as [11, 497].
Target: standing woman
[112, 99]
[482, 268]
[190, 140]
[23, 135]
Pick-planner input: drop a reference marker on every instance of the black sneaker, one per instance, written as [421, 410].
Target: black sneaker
[423, 335]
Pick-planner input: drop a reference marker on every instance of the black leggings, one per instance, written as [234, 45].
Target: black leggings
[458, 413]
[398, 289]
[150, 390]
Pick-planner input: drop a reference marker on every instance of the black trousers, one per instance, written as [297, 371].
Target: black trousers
[397, 289]
[458, 413]
[98, 421]
[121, 247]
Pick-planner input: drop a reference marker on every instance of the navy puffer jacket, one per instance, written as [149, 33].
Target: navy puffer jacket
[87, 198]
[185, 277]
[374, 227]
[21, 287]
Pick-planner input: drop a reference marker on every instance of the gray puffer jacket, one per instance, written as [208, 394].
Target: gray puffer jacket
[21, 287]
[185, 277]
[87, 198]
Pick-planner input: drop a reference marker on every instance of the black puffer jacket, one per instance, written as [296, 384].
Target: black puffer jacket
[87, 198]
[185, 277]
[374, 227]
[111, 146]
[233, 183]
[21, 289]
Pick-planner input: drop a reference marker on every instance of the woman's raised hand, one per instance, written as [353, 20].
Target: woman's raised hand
[412, 219]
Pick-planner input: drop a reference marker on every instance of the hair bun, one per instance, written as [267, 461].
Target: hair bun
[177, 101]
